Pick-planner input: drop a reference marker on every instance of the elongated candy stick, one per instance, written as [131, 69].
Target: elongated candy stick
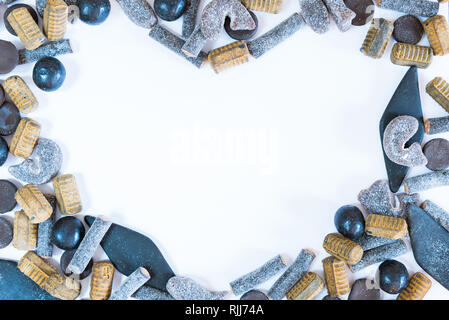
[131, 284]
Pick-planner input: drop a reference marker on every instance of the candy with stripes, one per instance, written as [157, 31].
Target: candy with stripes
[55, 19]
[25, 232]
[25, 138]
[438, 89]
[66, 191]
[437, 31]
[230, 55]
[26, 28]
[342, 248]
[411, 55]
[386, 227]
[33, 202]
[377, 38]
[20, 94]
[131, 284]
[101, 280]
[416, 288]
[307, 288]
[379, 254]
[336, 276]
[270, 6]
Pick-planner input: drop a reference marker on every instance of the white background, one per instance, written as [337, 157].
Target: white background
[144, 132]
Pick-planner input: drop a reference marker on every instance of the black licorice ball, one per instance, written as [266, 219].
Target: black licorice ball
[9, 57]
[6, 232]
[437, 154]
[16, 6]
[169, 10]
[65, 261]
[94, 11]
[254, 295]
[408, 29]
[241, 34]
[350, 222]
[67, 233]
[393, 276]
[4, 150]
[7, 192]
[364, 10]
[48, 74]
[2, 95]
[9, 119]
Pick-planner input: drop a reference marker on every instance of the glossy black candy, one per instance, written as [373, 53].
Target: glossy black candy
[254, 295]
[364, 10]
[16, 6]
[405, 101]
[9, 119]
[94, 11]
[408, 29]
[49, 74]
[364, 289]
[169, 10]
[393, 276]
[4, 150]
[7, 192]
[6, 232]
[68, 233]
[9, 58]
[129, 250]
[350, 222]
[241, 34]
[437, 154]
[64, 262]
[2, 95]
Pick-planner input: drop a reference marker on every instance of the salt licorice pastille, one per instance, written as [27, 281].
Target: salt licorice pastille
[258, 276]
[89, 245]
[343, 248]
[25, 232]
[48, 278]
[26, 28]
[436, 125]
[51, 49]
[67, 195]
[336, 276]
[307, 288]
[270, 6]
[33, 203]
[25, 137]
[55, 19]
[437, 31]
[416, 288]
[438, 89]
[292, 275]
[423, 8]
[411, 55]
[101, 280]
[377, 38]
[20, 94]
[228, 56]
[131, 284]
[386, 227]
[426, 181]
[380, 254]
[439, 214]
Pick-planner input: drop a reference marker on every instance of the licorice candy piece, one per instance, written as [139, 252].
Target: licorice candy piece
[377, 38]
[66, 191]
[341, 14]
[416, 288]
[101, 280]
[436, 125]
[254, 295]
[408, 29]
[386, 227]
[33, 203]
[8, 60]
[182, 288]
[131, 284]
[272, 38]
[55, 19]
[20, 94]
[44, 246]
[195, 43]
[6, 232]
[231, 55]
[89, 245]
[64, 261]
[25, 137]
[7, 196]
[369, 242]
[343, 248]
[258, 276]
[292, 275]
[25, 232]
[50, 49]
[189, 18]
[150, 293]
[270, 6]
[336, 276]
[364, 289]
[438, 89]
[411, 55]
[423, 8]
[437, 154]
[307, 288]
[439, 214]
[241, 34]
[364, 10]
[426, 181]
[437, 31]
[139, 12]
[30, 9]
[26, 28]
[380, 254]
[315, 14]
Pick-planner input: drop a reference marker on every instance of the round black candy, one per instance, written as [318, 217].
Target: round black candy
[6, 232]
[254, 295]
[350, 222]
[2, 95]
[16, 6]
[364, 10]
[65, 261]
[241, 34]
[169, 10]
[9, 58]
[4, 150]
[9, 119]
[49, 74]
[94, 11]
[328, 297]
[437, 154]
[7, 192]
[393, 276]
[67, 233]
[408, 29]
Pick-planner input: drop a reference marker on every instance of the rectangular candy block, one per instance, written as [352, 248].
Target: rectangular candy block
[424, 8]
[437, 31]
[101, 280]
[336, 276]
[405, 54]
[228, 56]
[416, 288]
[25, 138]
[377, 38]
[270, 6]
[26, 28]
[307, 288]
[25, 232]
[438, 89]
[436, 125]
[20, 94]
[67, 195]
[343, 248]
[386, 227]
[55, 19]
[34, 203]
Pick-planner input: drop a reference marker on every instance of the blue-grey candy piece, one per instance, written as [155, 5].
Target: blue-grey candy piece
[44, 245]
[42, 166]
[426, 181]
[131, 284]
[369, 242]
[139, 12]
[50, 49]
[315, 15]
[423, 8]
[6, 232]
[439, 214]
[193, 45]
[150, 293]
[182, 288]
[4, 150]
[189, 18]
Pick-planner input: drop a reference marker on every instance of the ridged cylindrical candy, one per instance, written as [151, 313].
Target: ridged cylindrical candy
[25, 232]
[423, 8]
[25, 138]
[67, 195]
[55, 19]
[426, 181]
[134, 281]
[343, 248]
[336, 276]
[438, 89]
[437, 31]
[386, 227]
[307, 288]
[270, 6]
[377, 38]
[380, 254]
[33, 202]
[411, 55]
[20, 94]
[101, 280]
[416, 288]
[26, 28]
[228, 56]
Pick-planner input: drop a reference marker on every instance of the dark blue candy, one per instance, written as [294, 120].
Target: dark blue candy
[68, 233]
[393, 276]
[49, 74]
[350, 222]
[9, 119]
[3, 151]
[94, 11]
[169, 10]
